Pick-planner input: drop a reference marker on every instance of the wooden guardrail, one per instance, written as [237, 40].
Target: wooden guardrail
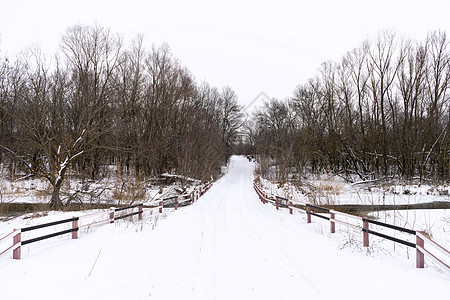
[434, 251]
[94, 219]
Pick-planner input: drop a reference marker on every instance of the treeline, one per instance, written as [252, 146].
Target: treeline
[98, 103]
[381, 112]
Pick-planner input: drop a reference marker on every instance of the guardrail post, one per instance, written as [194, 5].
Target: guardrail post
[75, 232]
[16, 240]
[161, 205]
[308, 214]
[111, 214]
[365, 233]
[420, 258]
[140, 211]
[176, 202]
[290, 207]
[276, 202]
[332, 223]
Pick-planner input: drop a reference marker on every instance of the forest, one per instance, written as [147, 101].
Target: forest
[98, 103]
[381, 112]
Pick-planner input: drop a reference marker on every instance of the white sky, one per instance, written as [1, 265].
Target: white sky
[252, 46]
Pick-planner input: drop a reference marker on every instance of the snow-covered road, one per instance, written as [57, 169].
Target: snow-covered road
[227, 245]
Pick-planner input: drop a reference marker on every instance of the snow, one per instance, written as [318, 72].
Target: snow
[227, 245]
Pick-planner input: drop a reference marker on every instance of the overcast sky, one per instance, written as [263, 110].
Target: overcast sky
[252, 46]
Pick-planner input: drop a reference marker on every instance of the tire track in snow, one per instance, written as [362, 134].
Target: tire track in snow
[204, 258]
[277, 236]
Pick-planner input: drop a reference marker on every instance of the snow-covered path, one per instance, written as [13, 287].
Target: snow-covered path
[227, 245]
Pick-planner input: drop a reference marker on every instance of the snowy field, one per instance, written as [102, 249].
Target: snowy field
[227, 245]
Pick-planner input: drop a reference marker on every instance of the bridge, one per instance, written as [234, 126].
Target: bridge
[226, 245]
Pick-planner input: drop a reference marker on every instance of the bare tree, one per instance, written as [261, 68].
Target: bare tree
[93, 55]
[382, 69]
[438, 108]
[231, 117]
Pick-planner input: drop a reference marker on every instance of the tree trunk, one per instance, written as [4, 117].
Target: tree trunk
[55, 201]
